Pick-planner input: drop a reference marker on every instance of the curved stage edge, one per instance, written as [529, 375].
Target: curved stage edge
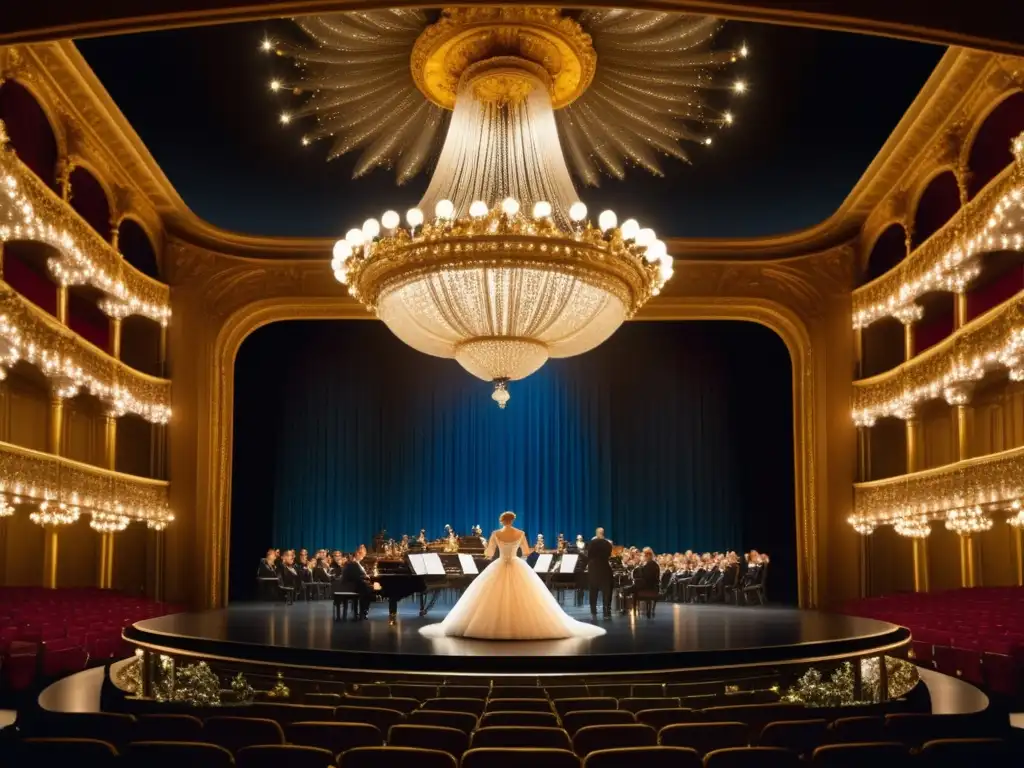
[680, 639]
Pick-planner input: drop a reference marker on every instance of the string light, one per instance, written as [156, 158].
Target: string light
[1016, 518]
[966, 522]
[73, 365]
[948, 260]
[105, 522]
[947, 370]
[55, 514]
[29, 210]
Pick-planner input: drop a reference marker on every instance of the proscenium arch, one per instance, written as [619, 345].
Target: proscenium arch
[243, 322]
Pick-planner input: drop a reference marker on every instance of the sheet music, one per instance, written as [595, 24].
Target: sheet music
[568, 564]
[434, 565]
[543, 564]
[419, 567]
[468, 565]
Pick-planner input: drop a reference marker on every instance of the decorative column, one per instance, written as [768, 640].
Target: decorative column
[62, 304]
[863, 463]
[115, 337]
[106, 566]
[920, 564]
[967, 522]
[50, 556]
[54, 445]
[1016, 523]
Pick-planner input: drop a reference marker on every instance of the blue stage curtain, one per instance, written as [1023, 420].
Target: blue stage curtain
[657, 435]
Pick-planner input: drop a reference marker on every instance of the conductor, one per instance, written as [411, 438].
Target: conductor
[599, 572]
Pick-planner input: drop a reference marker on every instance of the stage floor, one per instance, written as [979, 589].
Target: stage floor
[679, 637]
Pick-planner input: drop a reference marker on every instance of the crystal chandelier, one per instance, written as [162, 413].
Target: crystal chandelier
[108, 522]
[6, 507]
[913, 527]
[55, 514]
[498, 266]
[865, 526]
[1016, 519]
[967, 521]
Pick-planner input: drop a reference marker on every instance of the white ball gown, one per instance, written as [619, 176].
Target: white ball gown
[508, 601]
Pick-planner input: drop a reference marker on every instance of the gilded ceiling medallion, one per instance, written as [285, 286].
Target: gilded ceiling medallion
[464, 37]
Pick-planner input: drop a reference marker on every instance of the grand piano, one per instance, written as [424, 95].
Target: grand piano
[425, 575]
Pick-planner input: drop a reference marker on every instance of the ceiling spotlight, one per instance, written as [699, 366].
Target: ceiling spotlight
[744, 51]
[267, 44]
[707, 141]
[728, 118]
[285, 118]
[739, 86]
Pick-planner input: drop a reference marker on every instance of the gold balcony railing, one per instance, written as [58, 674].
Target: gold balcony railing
[29, 210]
[73, 364]
[32, 477]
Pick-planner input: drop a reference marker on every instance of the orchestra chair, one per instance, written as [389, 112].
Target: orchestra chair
[168, 728]
[757, 716]
[659, 718]
[518, 692]
[113, 728]
[463, 721]
[521, 736]
[287, 713]
[395, 757]
[234, 733]
[573, 721]
[414, 691]
[705, 737]
[647, 757]
[342, 600]
[334, 737]
[55, 751]
[940, 753]
[757, 589]
[464, 692]
[405, 706]
[752, 757]
[450, 740]
[474, 706]
[283, 756]
[518, 705]
[268, 588]
[877, 753]
[647, 690]
[528, 719]
[382, 718]
[647, 599]
[175, 754]
[659, 702]
[858, 729]
[567, 691]
[562, 706]
[914, 729]
[489, 757]
[799, 736]
[591, 738]
[331, 700]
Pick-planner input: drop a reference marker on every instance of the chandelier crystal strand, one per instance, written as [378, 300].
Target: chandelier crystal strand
[502, 148]
[968, 521]
[1016, 518]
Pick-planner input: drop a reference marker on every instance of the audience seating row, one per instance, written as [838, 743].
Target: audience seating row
[581, 731]
[976, 634]
[45, 634]
[157, 754]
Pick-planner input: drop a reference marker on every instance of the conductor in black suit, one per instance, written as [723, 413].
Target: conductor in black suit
[599, 572]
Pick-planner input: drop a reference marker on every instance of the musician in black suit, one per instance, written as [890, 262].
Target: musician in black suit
[354, 578]
[599, 572]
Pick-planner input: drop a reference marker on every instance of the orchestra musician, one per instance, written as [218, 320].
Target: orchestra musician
[599, 572]
[288, 574]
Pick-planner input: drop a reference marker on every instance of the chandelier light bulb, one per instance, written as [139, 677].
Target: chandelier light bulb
[510, 206]
[355, 237]
[656, 251]
[665, 267]
[478, 209]
[607, 220]
[739, 86]
[341, 275]
[414, 217]
[629, 229]
[342, 250]
[577, 211]
[444, 210]
[390, 220]
[541, 209]
[371, 228]
[645, 237]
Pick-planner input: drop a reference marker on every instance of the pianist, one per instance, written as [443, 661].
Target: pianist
[354, 578]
